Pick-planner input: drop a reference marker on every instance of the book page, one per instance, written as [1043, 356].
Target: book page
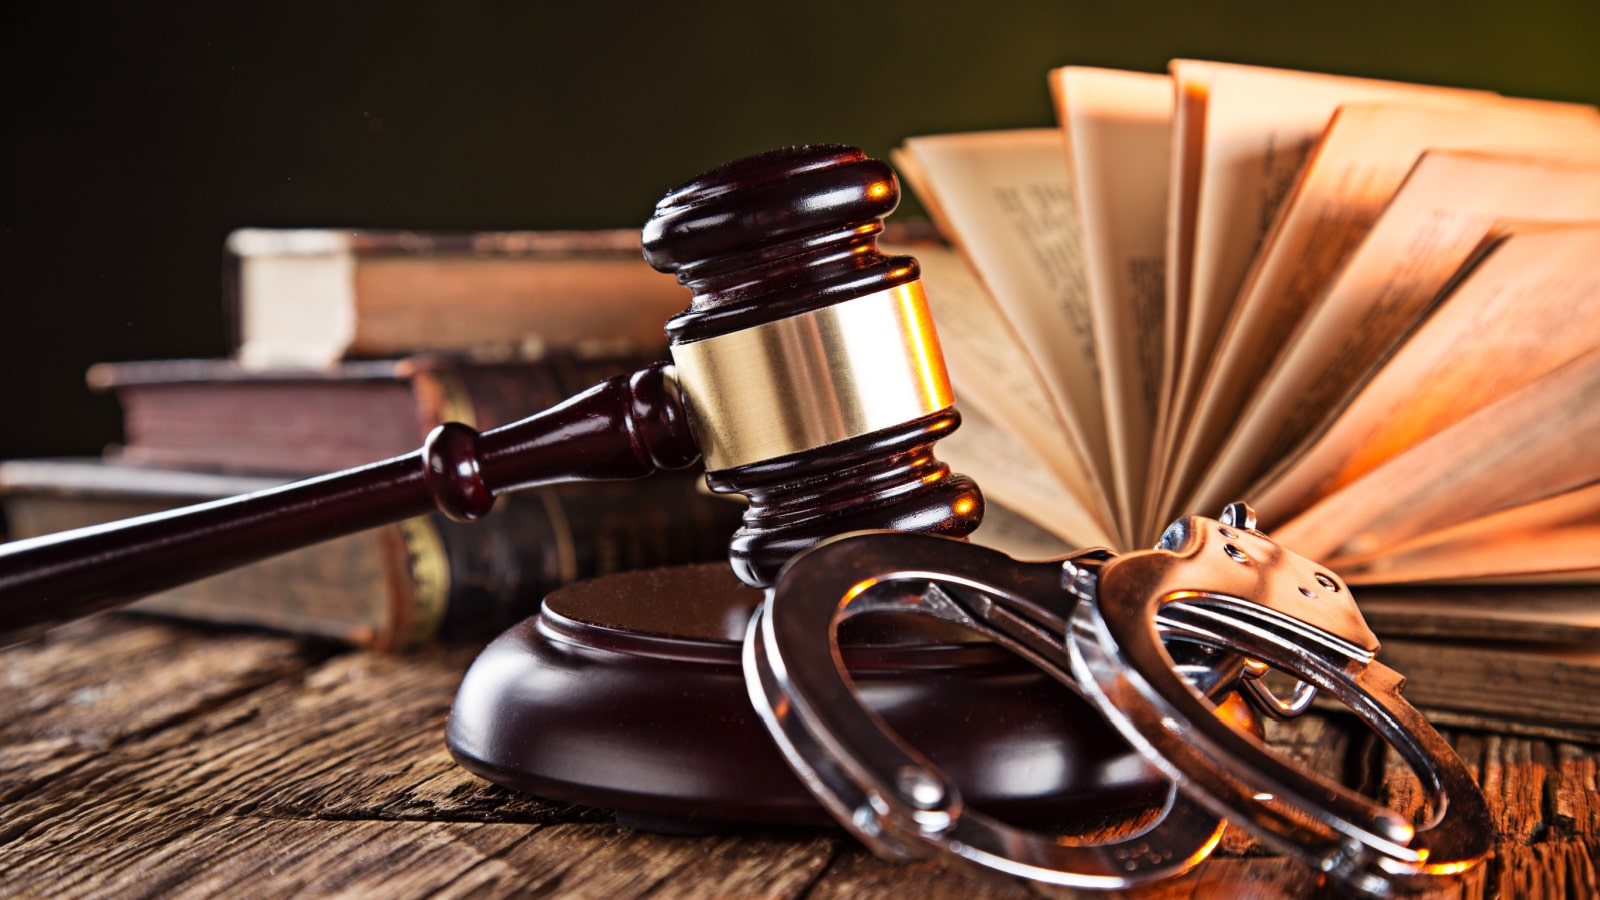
[1557, 535]
[1191, 82]
[1017, 536]
[1002, 399]
[1359, 163]
[1259, 125]
[1006, 200]
[1528, 306]
[1118, 129]
[311, 318]
[1430, 228]
[1534, 443]
[1012, 475]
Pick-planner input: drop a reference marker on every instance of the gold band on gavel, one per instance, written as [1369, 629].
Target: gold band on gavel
[813, 379]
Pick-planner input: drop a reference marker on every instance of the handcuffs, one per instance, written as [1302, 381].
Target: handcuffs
[1154, 639]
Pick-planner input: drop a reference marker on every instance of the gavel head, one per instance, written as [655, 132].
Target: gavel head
[807, 360]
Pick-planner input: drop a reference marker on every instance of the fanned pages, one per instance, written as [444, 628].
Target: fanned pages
[1118, 128]
[1552, 538]
[1005, 199]
[1425, 235]
[1017, 478]
[1051, 485]
[1527, 305]
[1245, 131]
[1365, 155]
[1379, 317]
[1534, 443]
[1378, 322]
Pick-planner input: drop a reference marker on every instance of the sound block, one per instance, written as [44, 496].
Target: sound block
[626, 693]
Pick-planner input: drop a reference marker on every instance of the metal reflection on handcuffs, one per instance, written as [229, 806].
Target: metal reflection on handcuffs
[1151, 638]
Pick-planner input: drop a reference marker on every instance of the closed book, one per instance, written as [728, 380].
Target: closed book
[302, 420]
[1367, 308]
[1545, 689]
[398, 586]
[312, 296]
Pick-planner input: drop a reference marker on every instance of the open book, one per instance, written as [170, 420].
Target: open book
[1370, 309]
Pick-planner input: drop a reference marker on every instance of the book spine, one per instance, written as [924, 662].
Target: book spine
[215, 418]
[441, 580]
[347, 590]
[430, 579]
[540, 540]
[487, 395]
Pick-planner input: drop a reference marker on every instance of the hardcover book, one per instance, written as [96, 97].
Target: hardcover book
[308, 297]
[399, 586]
[1369, 309]
[303, 420]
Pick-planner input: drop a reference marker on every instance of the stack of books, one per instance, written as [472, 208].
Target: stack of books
[351, 347]
[1369, 309]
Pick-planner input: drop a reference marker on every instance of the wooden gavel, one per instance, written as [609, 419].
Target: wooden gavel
[806, 373]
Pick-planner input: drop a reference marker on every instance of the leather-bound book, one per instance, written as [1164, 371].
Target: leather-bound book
[398, 586]
[313, 296]
[303, 420]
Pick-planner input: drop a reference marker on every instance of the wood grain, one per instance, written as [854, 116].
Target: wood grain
[139, 758]
[92, 686]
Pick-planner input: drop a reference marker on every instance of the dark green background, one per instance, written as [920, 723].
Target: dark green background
[135, 136]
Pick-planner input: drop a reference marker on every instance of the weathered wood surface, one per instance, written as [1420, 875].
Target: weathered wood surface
[139, 758]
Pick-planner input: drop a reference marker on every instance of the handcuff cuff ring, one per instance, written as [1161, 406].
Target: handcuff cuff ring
[892, 798]
[1224, 584]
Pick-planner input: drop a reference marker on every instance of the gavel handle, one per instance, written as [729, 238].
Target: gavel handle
[627, 427]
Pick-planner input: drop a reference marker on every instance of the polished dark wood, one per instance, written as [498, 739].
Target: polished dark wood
[889, 480]
[626, 693]
[775, 235]
[779, 234]
[756, 240]
[626, 427]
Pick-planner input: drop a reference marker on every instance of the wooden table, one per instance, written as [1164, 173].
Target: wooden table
[141, 758]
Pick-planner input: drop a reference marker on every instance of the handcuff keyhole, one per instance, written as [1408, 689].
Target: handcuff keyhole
[1308, 593]
[1234, 553]
[1327, 582]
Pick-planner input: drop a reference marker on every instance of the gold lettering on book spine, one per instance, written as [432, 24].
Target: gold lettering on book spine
[813, 379]
[430, 581]
[562, 540]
